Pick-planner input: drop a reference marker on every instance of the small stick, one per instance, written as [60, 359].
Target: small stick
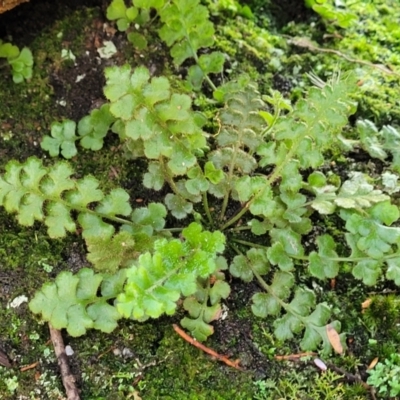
[308, 44]
[291, 357]
[67, 378]
[194, 342]
[351, 378]
[28, 367]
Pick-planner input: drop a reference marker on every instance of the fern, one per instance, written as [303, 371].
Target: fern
[72, 302]
[91, 130]
[261, 164]
[185, 28]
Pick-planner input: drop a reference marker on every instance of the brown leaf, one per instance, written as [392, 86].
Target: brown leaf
[365, 304]
[334, 339]
[373, 363]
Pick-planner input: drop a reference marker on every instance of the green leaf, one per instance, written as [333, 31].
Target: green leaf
[290, 240]
[109, 254]
[385, 212]
[322, 264]
[372, 237]
[22, 65]
[264, 304]
[156, 282]
[115, 203]
[138, 40]
[9, 51]
[116, 10]
[243, 266]
[86, 191]
[213, 174]
[292, 180]
[64, 303]
[58, 220]
[357, 192]
[149, 219]
[295, 203]
[368, 271]
[260, 227]
[220, 290]
[393, 270]
[195, 77]
[240, 269]
[94, 227]
[178, 206]
[154, 178]
[62, 139]
[277, 256]
[182, 26]
[197, 183]
[149, 3]
[212, 63]
[94, 127]
[198, 328]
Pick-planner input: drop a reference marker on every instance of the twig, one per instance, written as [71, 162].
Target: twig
[66, 375]
[194, 342]
[293, 357]
[28, 367]
[308, 44]
[351, 378]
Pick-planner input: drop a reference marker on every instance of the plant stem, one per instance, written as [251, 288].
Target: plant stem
[236, 217]
[167, 175]
[196, 58]
[207, 208]
[250, 244]
[240, 228]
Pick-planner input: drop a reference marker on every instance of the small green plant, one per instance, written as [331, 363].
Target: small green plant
[243, 199]
[21, 62]
[385, 376]
[295, 386]
[91, 130]
[185, 28]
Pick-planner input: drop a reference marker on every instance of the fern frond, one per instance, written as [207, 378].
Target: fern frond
[71, 301]
[156, 281]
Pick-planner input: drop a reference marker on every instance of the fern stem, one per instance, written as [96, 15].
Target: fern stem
[250, 244]
[240, 228]
[196, 59]
[277, 114]
[270, 291]
[167, 176]
[207, 208]
[230, 175]
[236, 217]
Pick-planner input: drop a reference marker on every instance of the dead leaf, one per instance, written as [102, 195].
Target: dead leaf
[334, 339]
[373, 363]
[365, 304]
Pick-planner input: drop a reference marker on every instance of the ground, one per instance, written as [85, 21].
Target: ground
[145, 359]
